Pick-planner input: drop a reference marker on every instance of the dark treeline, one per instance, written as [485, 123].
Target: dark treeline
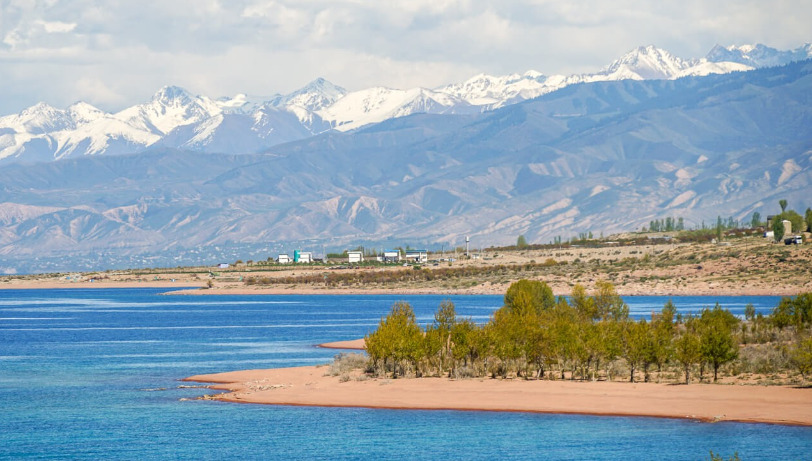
[538, 336]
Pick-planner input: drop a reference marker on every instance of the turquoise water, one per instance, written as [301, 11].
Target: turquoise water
[90, 374]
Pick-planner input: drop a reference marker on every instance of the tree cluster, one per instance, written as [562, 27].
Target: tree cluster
[588, 336]
[666, 225]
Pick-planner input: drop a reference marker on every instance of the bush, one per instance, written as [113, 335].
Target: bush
[344, 363]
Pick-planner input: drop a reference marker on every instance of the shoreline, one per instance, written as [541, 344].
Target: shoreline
[312, 386]
[496, 290]
[184, 289]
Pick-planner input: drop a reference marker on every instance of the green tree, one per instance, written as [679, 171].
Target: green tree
[636, 345]
[563, 330]
[507, 334]
[808, 219]
[778, 228]
[717, 341]
[783, 204]
[756, 221]
[398, 339]
[583, 304]
[609, 344]
[521, 242]
[444, 320]
[749, 312]
[608, 304]
[801, 357]
[797, 221]
[795, 311]
[529, 295]
[663, 335]
[719, 227]
[688, 352]
[469, 343]
[432, 347]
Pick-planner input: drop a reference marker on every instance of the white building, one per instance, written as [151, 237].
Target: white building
[305, 257]
[355, 256]
[283, 259]
[417, 256]
[390, 256]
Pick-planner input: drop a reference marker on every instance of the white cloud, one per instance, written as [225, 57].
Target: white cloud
[54, 27]
[60, 50]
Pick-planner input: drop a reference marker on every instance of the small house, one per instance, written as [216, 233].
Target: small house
[223, 266]
[355, 257]
[283, 259]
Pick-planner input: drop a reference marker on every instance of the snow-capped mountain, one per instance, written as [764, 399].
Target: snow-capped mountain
[242, 124]
[377, 104]
[316, 95]
[42, 133]
[642, 63]
[758, 55]
[169, 108]
[645, 63]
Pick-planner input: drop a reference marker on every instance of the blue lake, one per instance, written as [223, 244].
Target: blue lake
[89, 374]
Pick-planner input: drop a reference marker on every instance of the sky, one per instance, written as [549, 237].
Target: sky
[117, 53]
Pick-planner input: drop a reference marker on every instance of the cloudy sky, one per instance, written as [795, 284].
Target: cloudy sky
[115, 53]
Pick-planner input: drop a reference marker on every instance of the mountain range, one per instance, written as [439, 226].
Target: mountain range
[601, 155]
[177, 119]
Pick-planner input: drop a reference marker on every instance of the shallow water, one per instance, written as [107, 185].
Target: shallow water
[88, 374]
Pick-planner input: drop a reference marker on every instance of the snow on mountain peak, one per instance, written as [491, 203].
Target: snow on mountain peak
[173, 114]
[169, 108]
[82, 112]
[646, 62]
[490, 90]
[316, 95]
[172, 95]
[37, 119]
[758, 55]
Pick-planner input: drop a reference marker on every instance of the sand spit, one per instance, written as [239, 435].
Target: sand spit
[312, 386]
[354, 344]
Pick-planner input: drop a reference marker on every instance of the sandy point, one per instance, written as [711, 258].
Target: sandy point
[313, 386]
[353, 344]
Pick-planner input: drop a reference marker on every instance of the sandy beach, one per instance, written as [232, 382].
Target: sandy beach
[311, 386]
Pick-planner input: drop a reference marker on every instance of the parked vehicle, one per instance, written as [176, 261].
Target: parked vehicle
[794, 240]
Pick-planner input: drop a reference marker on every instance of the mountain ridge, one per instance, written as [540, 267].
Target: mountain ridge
[176, 118]
[603, 157]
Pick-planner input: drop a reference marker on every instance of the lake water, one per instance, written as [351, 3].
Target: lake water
[90, 374]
